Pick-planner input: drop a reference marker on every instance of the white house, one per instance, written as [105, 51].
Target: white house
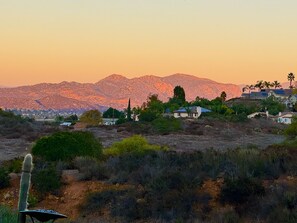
[66, 124]
[286, 118]
[109, 121]
[189, 112]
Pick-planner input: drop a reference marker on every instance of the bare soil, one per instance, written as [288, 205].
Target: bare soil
[205, 134]
[196, 135]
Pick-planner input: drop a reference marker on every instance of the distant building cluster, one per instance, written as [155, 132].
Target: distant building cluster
[45, 115]
[288, 97]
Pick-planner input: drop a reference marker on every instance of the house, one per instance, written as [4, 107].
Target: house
[109, 121]
[286, 117]
[258, 114]
[66, 124]
[292, 101]
[190, 112]
[260, 95]
[279, 94]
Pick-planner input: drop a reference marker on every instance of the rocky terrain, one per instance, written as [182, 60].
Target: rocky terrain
[112, 91]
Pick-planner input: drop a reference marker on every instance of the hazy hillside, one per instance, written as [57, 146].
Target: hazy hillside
[113, 90]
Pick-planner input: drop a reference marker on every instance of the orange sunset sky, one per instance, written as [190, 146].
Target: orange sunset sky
[237, 41]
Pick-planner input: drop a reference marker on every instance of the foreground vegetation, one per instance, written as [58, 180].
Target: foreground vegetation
[162, 185]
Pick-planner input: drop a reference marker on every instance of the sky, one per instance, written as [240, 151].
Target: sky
[229, 41]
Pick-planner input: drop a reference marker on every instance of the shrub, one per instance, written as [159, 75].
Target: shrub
[4, 178]
[46, 181]
[283, 215]
[90, 168]
[238, 191]
[135, 144]
[32, 201]
[7, 215]
[91, 118]
[291, 130]
[166, 125]
[97, 200]
[67, 145]
[14, 165]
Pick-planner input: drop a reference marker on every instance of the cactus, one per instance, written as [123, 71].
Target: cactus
[24, 186]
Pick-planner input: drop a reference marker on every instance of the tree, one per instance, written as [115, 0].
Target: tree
[129, 111]
[112, 113]
[152, 109]
[276, 84]
[267, 84]
[223, 96]
[179, 94]
[291, 77]
[251, 87]
[72, 118]
[259, 84]
[91, 118]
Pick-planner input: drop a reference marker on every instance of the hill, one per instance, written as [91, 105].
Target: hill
[112, 91]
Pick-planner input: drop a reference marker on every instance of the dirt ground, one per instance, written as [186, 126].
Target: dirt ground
[205, 134]
[12, 148]
[195, 135]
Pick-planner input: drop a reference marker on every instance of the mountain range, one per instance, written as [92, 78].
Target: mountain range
[112, 91]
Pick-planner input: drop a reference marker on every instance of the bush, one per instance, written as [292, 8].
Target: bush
[90, 168]
[7, 215]
[91, 118]
[291, 130]
[46, 181]
[238, 191]
[67, 145]
[14, 166]
[98, 200]
[4, 178]
[135, 144]
[147, 115]
[166, 125]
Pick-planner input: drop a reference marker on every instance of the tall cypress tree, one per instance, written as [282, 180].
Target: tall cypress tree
[129, 111]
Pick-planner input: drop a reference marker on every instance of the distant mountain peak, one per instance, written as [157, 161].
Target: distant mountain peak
[114, 77]
[112, 91]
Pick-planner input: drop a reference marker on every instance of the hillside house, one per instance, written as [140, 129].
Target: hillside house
[286, 117]
[190, 112]
[292, 101]
[280, 94]
[109, 121]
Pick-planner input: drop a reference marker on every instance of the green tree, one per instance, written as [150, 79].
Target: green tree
[91, 118]
[291, 77]
[267, 84]
[59, 119]
[179, 94]
[112, 113]
[223, 96]
[129, 111]
[259, 84]
[272, 106]
[72, 118]
[152, 109]
[276, 84]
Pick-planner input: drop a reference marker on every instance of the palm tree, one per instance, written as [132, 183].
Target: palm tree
[259, 84]
[276, 84]
[251, 87]
[245, 88]
[291, 77]
[267, 84]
